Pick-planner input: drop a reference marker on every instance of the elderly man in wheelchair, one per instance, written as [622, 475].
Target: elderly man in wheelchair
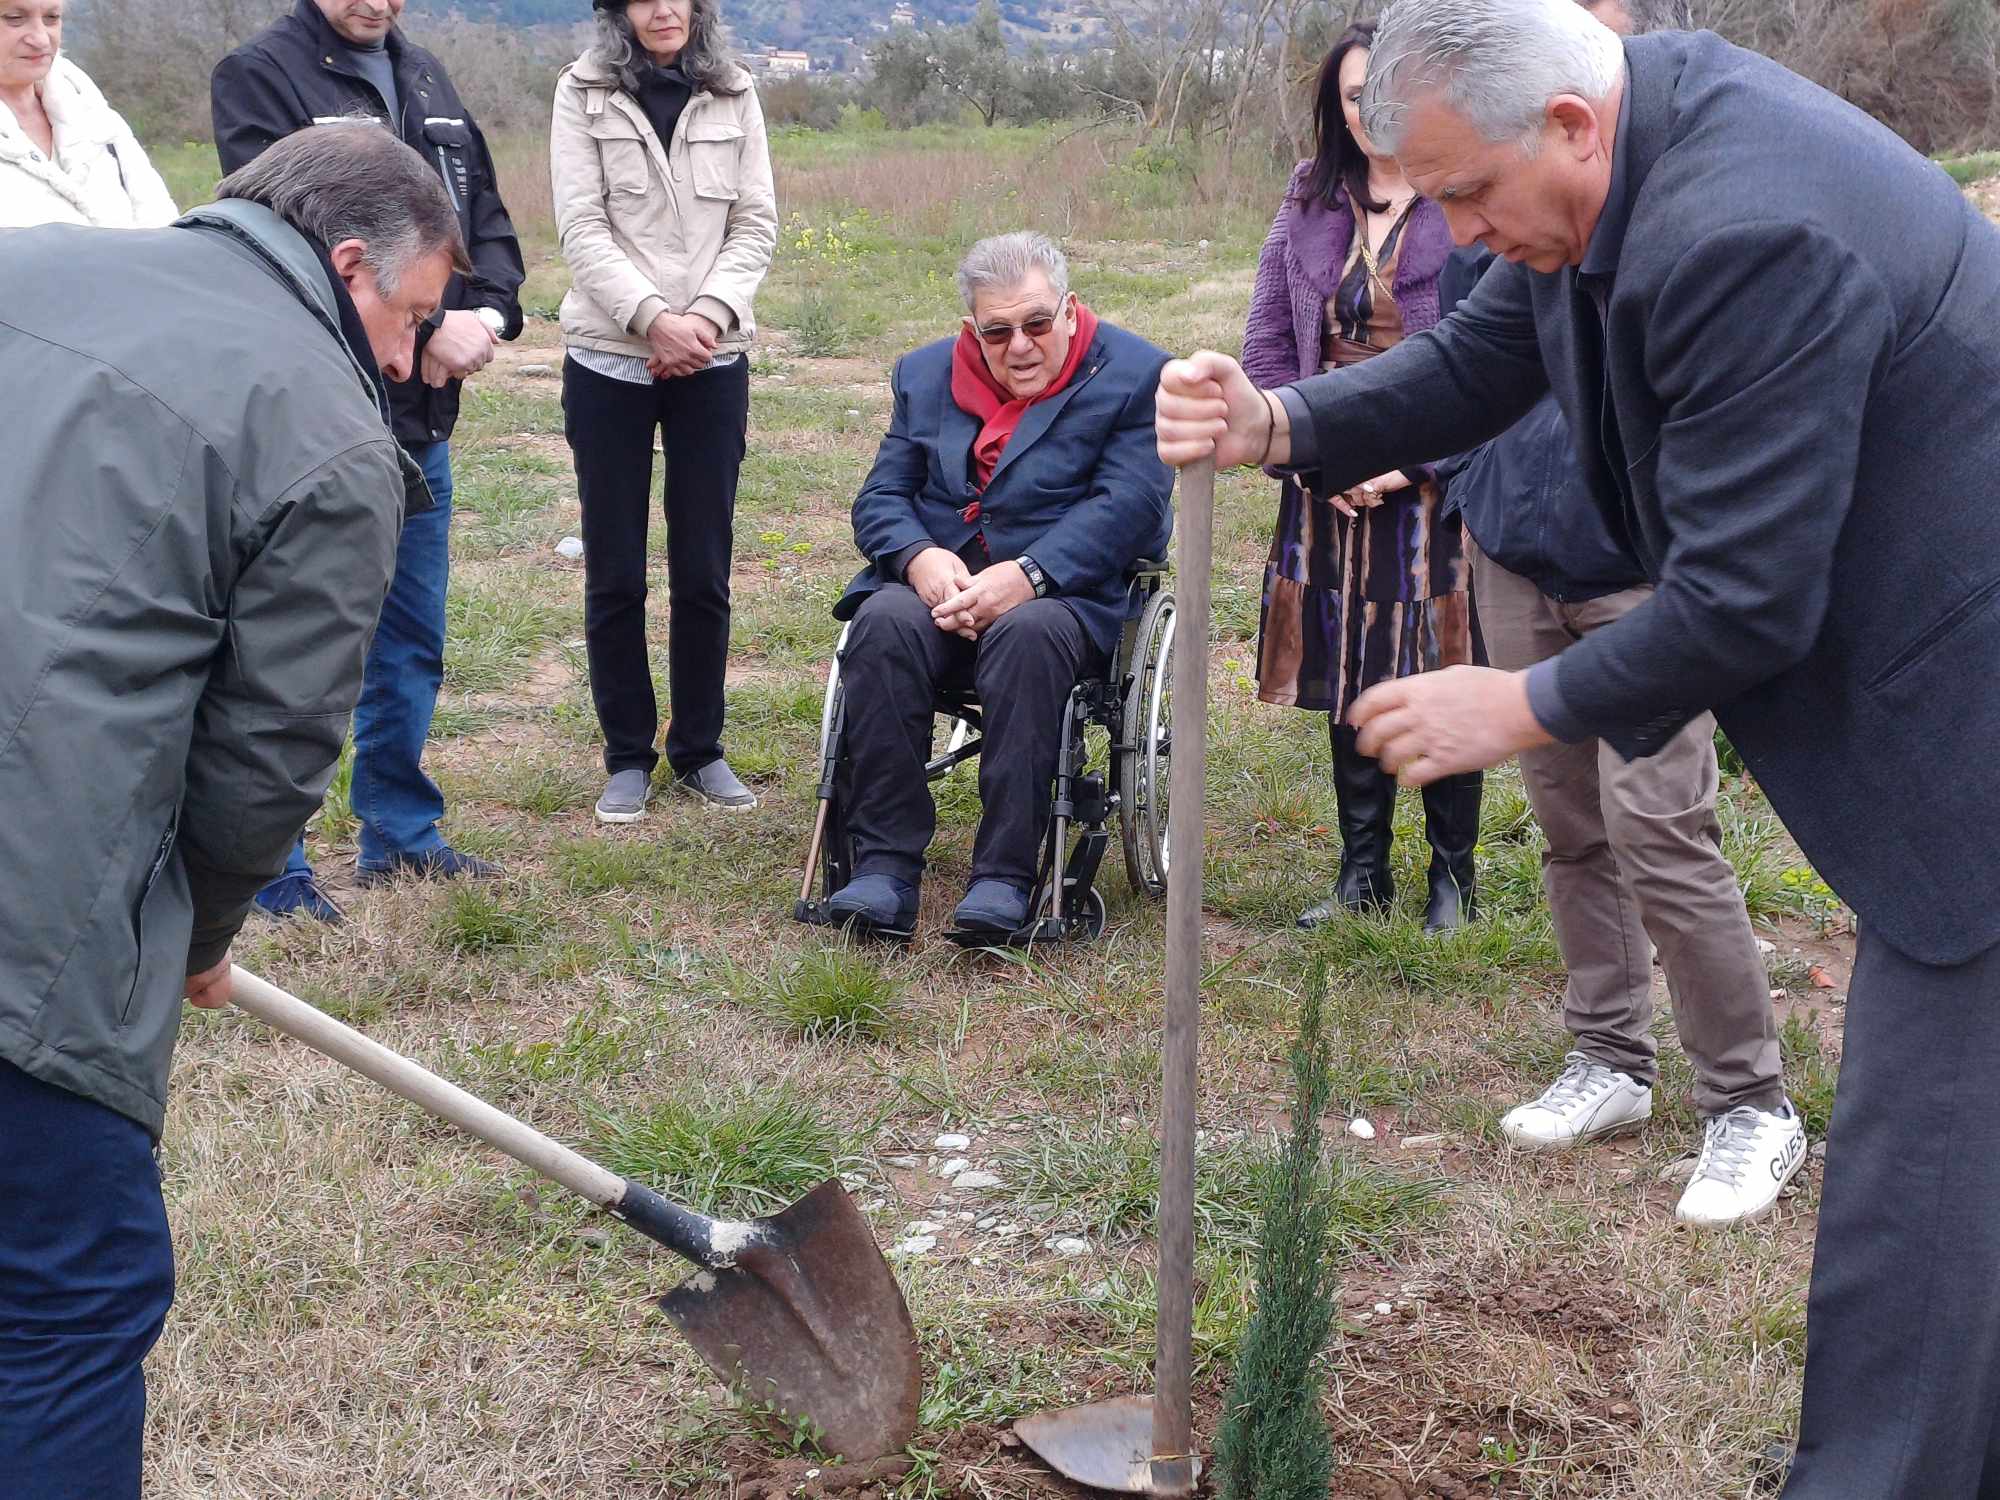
[1015, 494]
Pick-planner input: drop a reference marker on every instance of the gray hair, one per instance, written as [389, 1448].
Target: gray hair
[353, 180]
[708, 59]
[1002, 262]
[1495, 62]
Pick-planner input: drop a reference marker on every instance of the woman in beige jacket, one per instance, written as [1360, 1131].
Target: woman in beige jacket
[663, 196]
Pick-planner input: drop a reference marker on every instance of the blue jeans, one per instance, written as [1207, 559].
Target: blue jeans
[397, 804]
[86, 1278]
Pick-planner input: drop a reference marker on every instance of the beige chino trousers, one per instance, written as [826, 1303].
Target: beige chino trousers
[1635, 853]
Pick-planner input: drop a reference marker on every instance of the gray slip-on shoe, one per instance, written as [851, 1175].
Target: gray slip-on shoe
[718, 786]
[624, 799]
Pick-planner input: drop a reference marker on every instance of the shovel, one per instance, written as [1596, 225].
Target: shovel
[798, 1312]
[1141, 1444]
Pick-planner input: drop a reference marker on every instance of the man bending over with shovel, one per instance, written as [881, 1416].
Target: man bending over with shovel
[201, 500]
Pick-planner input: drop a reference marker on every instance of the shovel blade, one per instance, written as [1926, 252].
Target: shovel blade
[1107, 1445]
[811, 1327]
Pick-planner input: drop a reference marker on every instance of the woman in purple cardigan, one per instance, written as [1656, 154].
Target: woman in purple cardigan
[1372, 584]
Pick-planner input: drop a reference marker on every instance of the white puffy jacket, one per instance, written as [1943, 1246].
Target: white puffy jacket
[99, 175]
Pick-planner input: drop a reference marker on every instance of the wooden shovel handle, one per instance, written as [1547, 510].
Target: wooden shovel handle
[1173, 1413]
[423, 1088]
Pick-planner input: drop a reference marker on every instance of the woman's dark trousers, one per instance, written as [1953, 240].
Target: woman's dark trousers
[702, 420]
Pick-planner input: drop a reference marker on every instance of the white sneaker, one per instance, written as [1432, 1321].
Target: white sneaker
[1747, 1157]
[1587, 1102]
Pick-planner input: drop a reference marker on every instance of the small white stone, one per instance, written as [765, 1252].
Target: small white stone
[916, 1244]
[1766, 947]
[570, 547]
[953, 1167]
[923, 1226]
[979, 1260]
[874, 1205]
[852, 1180]
[1009, 1232]
[965, 1218]
[854, 411]
[951, 1141]
[1067, 1245]
[1383, 1309]
[538, 371]
[904, 1162]
[968, 1182]
[991, 1221]
[1201, 244]
[1361, 1129]
[1128, 1121]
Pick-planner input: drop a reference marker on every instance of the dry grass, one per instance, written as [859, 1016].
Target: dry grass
[371, 1305]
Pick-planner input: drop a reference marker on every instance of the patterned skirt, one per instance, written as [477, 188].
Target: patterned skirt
[1350, 603]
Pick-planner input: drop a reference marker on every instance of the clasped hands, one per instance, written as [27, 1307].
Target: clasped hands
[960, 602]
[1420, 728]
[681, 344]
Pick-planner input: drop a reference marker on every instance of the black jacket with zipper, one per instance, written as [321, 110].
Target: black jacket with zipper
[297, 72]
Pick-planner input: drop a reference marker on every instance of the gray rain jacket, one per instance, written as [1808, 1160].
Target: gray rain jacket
[200, 503]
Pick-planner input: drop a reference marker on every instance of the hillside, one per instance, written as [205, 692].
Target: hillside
[821, 27]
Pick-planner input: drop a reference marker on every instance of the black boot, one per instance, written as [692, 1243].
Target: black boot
[1451, 823]
[1366, 796]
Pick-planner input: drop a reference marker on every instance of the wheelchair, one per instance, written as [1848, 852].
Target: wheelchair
[1123, 777]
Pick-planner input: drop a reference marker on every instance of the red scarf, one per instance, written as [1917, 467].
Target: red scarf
[978, 394]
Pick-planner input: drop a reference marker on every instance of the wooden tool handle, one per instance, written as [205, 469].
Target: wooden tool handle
[1173, 1412]
[423, 1088]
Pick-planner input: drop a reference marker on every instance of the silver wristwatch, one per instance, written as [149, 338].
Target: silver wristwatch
[494, 320]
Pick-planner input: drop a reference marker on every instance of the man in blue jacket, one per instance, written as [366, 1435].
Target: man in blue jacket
[1015, 488]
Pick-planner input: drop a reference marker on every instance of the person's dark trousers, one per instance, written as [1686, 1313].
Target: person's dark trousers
[396, 802]
[1902, 1385]
[1022, 669]
[703, 420]
[86, 1278]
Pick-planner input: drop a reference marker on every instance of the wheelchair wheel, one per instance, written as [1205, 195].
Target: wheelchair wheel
[1145, 746]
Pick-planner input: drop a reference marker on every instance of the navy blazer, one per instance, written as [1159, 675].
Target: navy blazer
[1790, 404]
[1079, 487]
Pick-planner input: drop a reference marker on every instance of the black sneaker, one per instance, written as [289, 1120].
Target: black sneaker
[435, 864]
[718, 786]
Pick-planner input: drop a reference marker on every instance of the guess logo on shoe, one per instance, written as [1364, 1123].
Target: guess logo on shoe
[1784, 1161]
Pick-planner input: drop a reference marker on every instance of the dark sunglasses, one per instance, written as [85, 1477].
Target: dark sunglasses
[999, 335]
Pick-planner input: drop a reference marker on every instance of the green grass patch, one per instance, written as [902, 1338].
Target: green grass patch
[1966, 170]
[1811, 1077]
[745, 1156]
[493, 637]
[826, 994]
[476, 918]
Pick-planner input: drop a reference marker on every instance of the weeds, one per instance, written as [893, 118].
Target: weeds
[739, 1156]
[828, 994]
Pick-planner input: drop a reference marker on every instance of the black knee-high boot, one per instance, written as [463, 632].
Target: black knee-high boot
[1366, 797]
[1451, 823]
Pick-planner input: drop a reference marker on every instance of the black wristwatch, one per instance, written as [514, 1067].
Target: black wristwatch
[1037, 579]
